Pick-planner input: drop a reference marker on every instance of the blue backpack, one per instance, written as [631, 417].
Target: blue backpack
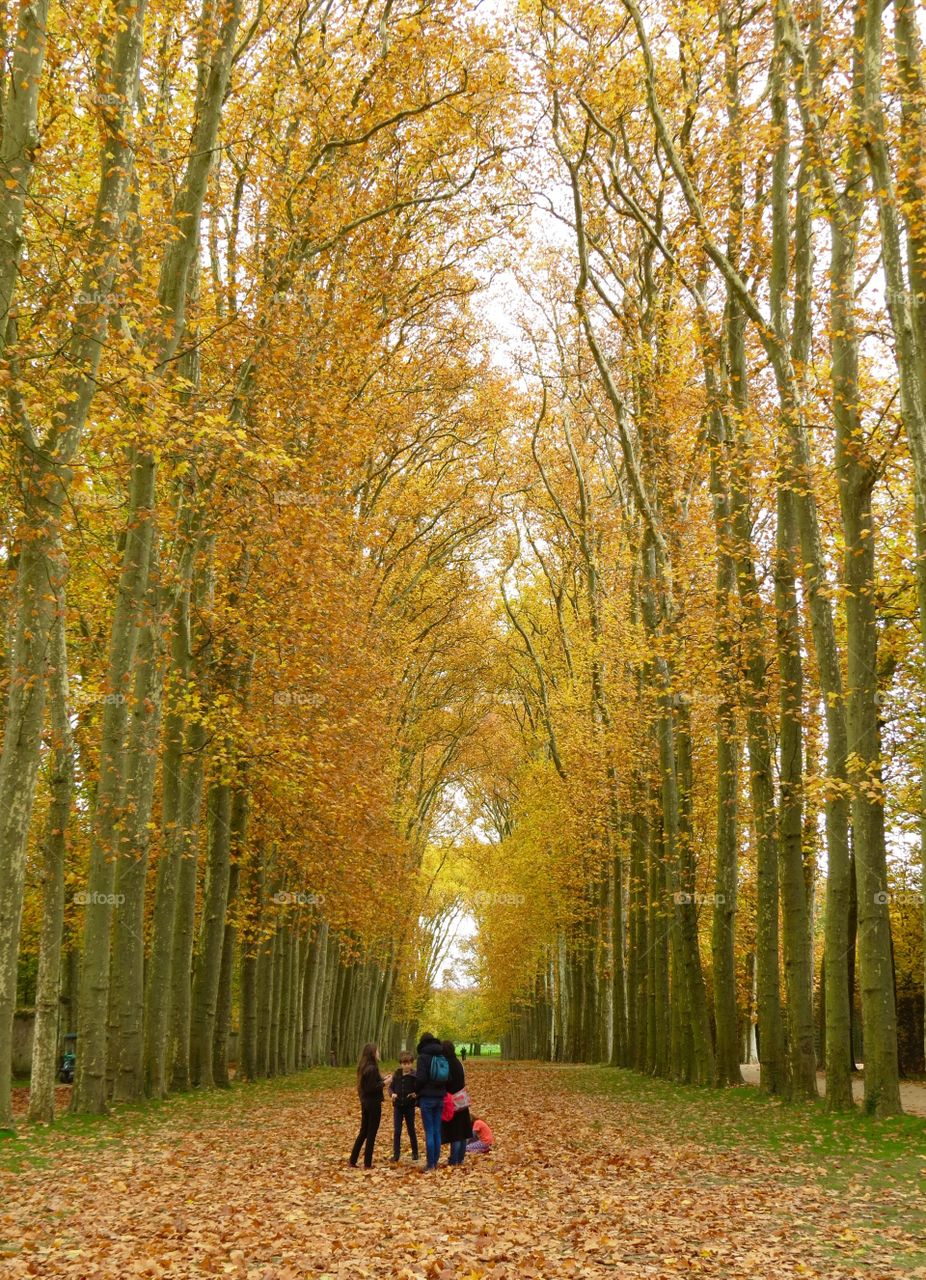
[439, 1070]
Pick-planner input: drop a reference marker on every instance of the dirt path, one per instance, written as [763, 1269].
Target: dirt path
[912, 1094]
[257, 1186]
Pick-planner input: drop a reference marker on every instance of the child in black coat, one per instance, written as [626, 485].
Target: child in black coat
[404, 1093]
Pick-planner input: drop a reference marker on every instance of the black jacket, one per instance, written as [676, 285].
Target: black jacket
[457, 1079]
[402, 1085]
[460, 1128]
[370, 1085]
[428, 1046]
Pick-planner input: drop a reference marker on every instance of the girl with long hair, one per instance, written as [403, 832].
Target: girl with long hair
[370, 1085]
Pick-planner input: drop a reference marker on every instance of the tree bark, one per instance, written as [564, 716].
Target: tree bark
[128, 944]
[54, 848]
[19, 142]
[89, 1093]
[802, 1065]
[223, 1017]
[176, 805]
[212, 933]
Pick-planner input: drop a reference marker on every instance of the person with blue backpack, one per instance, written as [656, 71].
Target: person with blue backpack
[432, 1073]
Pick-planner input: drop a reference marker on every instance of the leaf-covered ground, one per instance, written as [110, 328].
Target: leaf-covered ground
[596, 1173]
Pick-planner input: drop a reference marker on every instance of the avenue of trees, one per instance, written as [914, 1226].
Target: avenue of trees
[463, 466]
[247, 415]
[716, 582]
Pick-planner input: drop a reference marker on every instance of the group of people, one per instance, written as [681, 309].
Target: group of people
[434, 1082]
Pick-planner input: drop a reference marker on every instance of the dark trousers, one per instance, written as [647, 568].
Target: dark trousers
[406, 1116]
[371, 1112]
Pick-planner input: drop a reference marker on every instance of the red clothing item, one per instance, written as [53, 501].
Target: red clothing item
[482, 1132]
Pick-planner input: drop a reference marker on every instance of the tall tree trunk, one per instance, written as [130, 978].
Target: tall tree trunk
[89, 1093]
[620, 1055]
[797, 925]
[128, 943]
[177, 776]
[882, 1088]
[335, 983]
[317, 1050]
[906, 304]
[185, 909]
[276, 1004]
[688, 972]
[212, 933]
[637, 954]
[912, 190]
[251, 945]
[223, 1017]
[802, 1061]
[188, 835]
[286, 997]
[313, 973]
[723, 929]
[264, 1002]
[19, 144]
[723, 924]
[54, 848]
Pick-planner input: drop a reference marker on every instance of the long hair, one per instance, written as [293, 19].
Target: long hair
[448, 1049]
[367, 1060]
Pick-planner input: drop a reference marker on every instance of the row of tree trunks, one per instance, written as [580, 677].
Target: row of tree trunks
[665, 1017]
[45, 461]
